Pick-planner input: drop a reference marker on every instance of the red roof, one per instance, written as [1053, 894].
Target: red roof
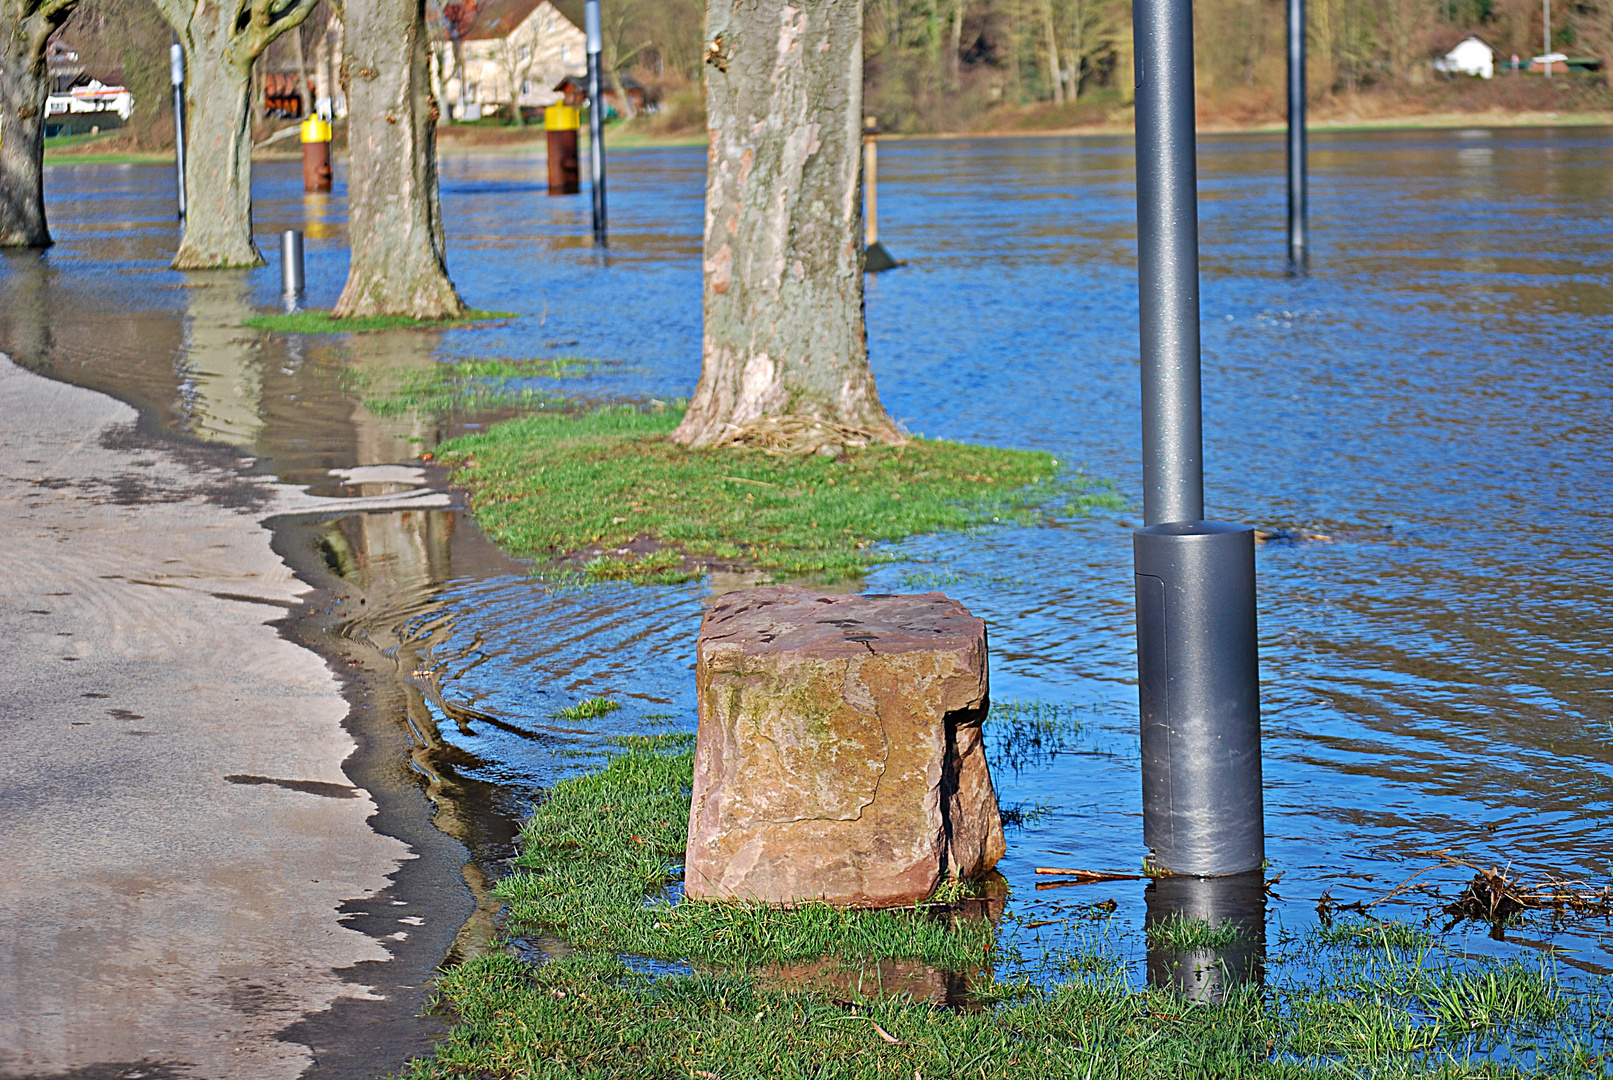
[495, 19]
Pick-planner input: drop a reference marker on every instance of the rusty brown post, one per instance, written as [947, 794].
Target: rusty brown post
[560, 122]
[316, 171]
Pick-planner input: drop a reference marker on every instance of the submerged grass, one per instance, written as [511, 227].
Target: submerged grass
[321, 322]
[473, 385]
[1179, 933]
[598, 856]
[588, 709]
[610, 489]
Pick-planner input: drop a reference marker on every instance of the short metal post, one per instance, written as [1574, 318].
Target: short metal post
[176, 73]
[596, 118]
[291, 274]
[1297, 180]
[1198, 687]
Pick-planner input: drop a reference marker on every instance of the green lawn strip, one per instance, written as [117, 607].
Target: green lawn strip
[321, 322]
[466, 386]
[602, 842]
[597, 855]
[548, 486]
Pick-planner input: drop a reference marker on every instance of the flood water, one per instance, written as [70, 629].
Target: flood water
[1423, 422]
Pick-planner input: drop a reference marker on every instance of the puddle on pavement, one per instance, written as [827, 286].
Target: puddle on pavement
[1418, 426]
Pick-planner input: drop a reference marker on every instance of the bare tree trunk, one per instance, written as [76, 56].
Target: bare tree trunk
[25, 28]
[393, 217]
[221, 43]
[1053, 52]
[784, 332]
[260, 100]
[218, 163]
[953, 58]
[302, 73]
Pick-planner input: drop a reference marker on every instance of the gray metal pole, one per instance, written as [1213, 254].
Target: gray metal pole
[291, 271]
[1198, 684]
[1168, 262]
[596, 118]
[1297, 180]
[176, 73]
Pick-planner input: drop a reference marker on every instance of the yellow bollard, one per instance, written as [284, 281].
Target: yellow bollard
[316, 172]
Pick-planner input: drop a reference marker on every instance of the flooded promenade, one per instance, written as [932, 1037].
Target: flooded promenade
[1420, 426]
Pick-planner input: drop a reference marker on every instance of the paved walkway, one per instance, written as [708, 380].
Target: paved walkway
[178, 831]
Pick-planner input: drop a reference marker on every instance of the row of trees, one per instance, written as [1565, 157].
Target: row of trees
[941, 64]
[394, 218]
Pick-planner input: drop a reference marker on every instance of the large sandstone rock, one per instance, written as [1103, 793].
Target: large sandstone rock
[839, 755]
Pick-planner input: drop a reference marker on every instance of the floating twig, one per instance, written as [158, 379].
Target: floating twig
[1089, 875]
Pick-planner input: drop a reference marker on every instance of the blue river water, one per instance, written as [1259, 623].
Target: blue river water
[1422, 423]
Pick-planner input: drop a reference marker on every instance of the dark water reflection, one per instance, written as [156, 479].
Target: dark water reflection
[1433, 399]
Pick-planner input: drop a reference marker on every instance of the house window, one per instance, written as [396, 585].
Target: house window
[526, 88]
[526, 52]
[565, 54]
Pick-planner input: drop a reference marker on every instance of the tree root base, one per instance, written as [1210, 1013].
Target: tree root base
[799, 436]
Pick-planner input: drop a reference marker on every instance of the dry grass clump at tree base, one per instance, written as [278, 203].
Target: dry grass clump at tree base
[610, 490]
[595, 862]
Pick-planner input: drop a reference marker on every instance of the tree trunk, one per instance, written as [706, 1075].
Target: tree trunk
[783, 297]
[302, 74]
[394, 220]
[218, 161]
[221, 43]
[25, 28]
[953, 58]
[1053, 53]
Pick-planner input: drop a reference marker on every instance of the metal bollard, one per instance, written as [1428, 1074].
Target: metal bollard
[316, 169]
[560, 122]
[291, 275]
[176, 74]
[1198, 686]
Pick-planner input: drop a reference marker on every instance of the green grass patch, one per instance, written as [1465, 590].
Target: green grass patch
[466, 386]
[1369, 933]
[321, 322]
[552, 486]
[598, 857]
[1179, 933]
[588, 709]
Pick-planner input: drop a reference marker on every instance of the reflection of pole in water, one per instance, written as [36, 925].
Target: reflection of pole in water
[223, 371]
[1228, 917]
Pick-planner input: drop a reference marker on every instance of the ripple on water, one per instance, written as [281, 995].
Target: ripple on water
[1433, 397]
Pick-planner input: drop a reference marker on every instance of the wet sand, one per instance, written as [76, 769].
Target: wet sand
[195, 885]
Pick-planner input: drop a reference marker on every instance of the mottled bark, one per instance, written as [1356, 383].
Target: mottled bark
[394, 220]
[218, 163]
[25, 27]
[221, 42]
[784, 331]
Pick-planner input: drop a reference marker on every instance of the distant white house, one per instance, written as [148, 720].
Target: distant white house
[92, 97]
[514, 52]
[1472, 56]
